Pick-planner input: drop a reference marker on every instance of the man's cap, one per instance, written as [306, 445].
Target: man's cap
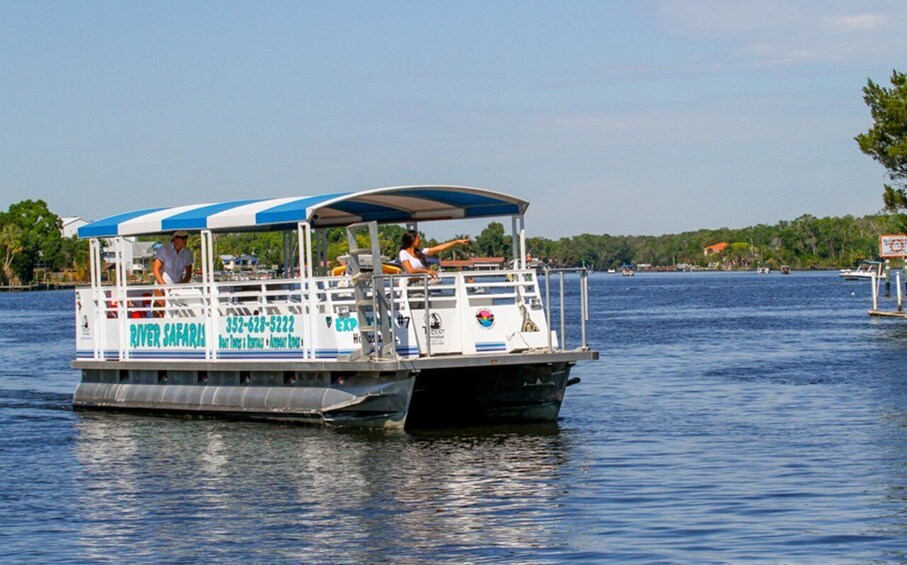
[180, 233]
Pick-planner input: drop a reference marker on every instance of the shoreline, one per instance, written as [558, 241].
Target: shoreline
[43, 286]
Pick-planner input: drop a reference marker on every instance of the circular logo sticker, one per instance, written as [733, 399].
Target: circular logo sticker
[485, 318]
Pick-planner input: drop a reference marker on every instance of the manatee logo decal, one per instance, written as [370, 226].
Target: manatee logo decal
[485, 318]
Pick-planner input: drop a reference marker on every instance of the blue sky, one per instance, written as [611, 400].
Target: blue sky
[609, 117]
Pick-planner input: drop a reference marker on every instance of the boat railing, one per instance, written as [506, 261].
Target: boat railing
[207, 302]
[583, 306]
[178, 299]
[398, 286]
[190, 299]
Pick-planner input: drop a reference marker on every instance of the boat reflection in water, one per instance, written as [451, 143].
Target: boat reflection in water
[312, 494]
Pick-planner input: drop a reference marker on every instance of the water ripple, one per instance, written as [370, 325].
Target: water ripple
[732, 418]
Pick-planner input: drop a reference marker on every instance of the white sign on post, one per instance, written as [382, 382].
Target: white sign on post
[893, 246]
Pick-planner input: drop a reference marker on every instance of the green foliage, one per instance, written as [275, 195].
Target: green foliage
[267, 246]
[30, 238]
[492, 242]
[886, 140]
[10, 245]
[75, 256]
[390, 238]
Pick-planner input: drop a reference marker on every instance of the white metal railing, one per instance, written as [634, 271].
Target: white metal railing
[584, 303]
[207, 303]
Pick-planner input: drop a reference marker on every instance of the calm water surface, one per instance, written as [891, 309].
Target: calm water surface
[732, 418]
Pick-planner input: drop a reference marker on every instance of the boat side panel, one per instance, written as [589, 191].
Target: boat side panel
[493, 394]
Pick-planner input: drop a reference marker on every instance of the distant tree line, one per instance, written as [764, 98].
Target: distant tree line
[805, 243]
[31, 243]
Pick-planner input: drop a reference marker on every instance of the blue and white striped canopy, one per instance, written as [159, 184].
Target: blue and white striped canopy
[397, 204]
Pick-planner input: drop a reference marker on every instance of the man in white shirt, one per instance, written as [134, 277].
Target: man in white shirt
[173, 262]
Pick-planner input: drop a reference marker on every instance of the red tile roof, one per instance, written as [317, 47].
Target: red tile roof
[716, 248]
[472, 263]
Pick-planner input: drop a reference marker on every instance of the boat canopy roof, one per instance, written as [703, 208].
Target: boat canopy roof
[390, 205]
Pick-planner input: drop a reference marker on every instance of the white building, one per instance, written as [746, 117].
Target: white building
[71, 225]
[139, 255]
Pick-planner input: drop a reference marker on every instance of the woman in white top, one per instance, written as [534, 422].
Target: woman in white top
[413, 255]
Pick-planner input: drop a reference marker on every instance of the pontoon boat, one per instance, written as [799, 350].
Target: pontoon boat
[361, 348]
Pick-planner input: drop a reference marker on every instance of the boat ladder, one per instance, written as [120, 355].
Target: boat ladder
[368, 293]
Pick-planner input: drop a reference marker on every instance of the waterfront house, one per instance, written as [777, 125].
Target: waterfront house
[715, 248]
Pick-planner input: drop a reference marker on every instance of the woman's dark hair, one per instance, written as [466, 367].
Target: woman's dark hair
[409, 238]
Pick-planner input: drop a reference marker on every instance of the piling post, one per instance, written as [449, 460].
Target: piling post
[897, 281]
[887, 278]
[875, 293]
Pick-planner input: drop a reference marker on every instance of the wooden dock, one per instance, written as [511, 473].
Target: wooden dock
[877, 292]
[41, 286]
[887, 314]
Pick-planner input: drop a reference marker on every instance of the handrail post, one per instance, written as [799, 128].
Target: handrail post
[376, 317]
[390, 313]
[548, 307]
[427, 319]
[563, 317]
[583, 307]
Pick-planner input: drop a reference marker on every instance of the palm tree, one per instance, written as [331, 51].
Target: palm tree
[11, 243]
[457, 251]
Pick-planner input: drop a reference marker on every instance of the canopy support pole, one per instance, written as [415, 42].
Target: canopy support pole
[122, 313]
[522, 242]
[210, 289]
[94, 248]
[518, 240]
[307, 288]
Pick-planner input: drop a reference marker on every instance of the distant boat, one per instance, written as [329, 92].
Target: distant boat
[627, 271]
[864, 271]
[785, 269]
[763, 270]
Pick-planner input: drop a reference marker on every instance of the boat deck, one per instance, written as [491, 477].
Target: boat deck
[359, 365]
